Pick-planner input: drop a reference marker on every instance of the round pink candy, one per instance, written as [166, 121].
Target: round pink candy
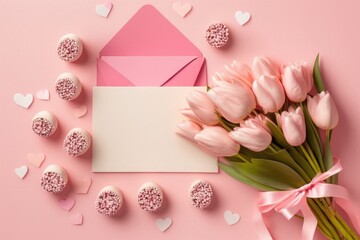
[217, 35]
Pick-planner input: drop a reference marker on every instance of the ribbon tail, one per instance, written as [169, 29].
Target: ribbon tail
[310, 222]
[350, 210]
[261, 229]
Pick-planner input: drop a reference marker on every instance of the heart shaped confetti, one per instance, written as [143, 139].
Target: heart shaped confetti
[43, 94]
[231, 218]
[182, 8]
[104, 9]
[21, 171]
[76, 219]
[67, 204]
[36, 159]
[23, 100]
[80, 111]
[163, 224]
[83, 186]
[242, 17]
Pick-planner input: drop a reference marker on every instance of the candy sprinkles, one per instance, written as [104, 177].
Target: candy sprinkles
[109, 201]
[69, 48]
[200, 194]
[77, 142]
[54, 179]
[150, 197]
[44, 124]
[68, 86]
[217, 35]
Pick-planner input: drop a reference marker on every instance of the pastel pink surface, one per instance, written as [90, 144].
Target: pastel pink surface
[282, 30]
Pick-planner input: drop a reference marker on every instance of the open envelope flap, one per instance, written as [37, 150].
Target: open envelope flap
[148, 70]
[148, 33]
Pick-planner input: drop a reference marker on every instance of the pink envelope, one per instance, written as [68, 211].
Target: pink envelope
[150, 51]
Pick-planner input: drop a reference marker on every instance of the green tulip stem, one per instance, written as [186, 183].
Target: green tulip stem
[346, 226]
[308, 148]
[322, 217]
[224, 125]
[241, 157]
[311, 161]
[336, 220]
[272, 148]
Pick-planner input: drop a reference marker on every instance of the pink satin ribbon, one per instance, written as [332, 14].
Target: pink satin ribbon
[288, 203]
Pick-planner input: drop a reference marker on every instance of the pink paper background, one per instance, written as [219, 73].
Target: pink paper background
[283, 30]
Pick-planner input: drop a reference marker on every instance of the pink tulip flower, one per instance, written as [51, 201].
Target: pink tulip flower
[234, 101]
[252, 135]
[216, 140]
[269, 93]
[293, 126]
[240, 72]
[188, 129]
[262, 120]
[202, 107]
[187, 112]
[263, 66]
[323, 111]
[297, 81]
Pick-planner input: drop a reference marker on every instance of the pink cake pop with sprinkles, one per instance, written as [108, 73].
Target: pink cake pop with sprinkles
[77, 142]
[109, 201]
[44, 124]
[69, 47]
[150, 197]
[54, 179]
[68, 86]
[217, 35]
[200, 194]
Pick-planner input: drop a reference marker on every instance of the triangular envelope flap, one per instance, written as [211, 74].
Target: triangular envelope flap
[108, 76]
[148, 33]
[191, 75]
[146, 70]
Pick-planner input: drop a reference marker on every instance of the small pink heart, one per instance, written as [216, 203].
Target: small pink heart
[43, 94]
[80, 111]
[83, 186]
[67, 204]
[36, 159]
[76, 219]
[182, 8]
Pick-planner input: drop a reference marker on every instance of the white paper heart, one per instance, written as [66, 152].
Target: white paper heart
[242, 17]
[43, 94]
[231, 218]
[104, 9]
[23, 100]
[21, 171]
[182, 8]
[163, 224]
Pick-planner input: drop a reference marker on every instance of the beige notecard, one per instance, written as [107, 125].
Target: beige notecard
[134, 131]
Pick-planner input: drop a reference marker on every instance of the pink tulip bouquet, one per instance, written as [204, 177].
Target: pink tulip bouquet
[274, 134]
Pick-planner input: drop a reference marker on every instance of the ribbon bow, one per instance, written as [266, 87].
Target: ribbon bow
[288, 203]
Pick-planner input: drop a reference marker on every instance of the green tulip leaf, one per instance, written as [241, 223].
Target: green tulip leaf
[282, 156]
[231, 171]
[313, 137]
[318, 82]
[328, 158]
[271, 173]
[277, 134]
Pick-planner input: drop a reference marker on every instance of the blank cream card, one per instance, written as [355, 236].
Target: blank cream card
[134, 131]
